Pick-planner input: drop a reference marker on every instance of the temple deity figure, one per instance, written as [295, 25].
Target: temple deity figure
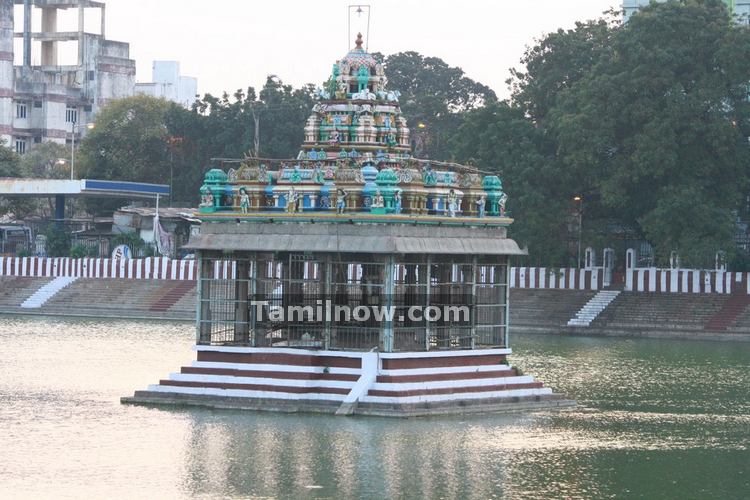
[429, 177]
[481, 202]
[353, 153]
[334, 138]
[397, 202]
[340, 201]
[322, 154]
[452, 203]
[207, 200]
[296, 176]
[312, 154]
[501, 203]
[342, 153]
[318, 177]
[378, 201]
[292, 199]
[244, 201]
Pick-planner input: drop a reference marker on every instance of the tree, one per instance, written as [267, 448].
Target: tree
[48, 160]
[433, 94]
[10, 167]
[9, 162]
[658, 128]
[499, 138]
[129, 141]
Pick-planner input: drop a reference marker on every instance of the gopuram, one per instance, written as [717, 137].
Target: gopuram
[354, 278]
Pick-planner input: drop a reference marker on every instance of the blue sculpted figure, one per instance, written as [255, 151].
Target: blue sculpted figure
[397, 202]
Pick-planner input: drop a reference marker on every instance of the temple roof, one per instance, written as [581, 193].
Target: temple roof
[358, 57]
[381, 238]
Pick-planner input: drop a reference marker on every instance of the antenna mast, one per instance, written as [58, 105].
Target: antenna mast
[359, 10]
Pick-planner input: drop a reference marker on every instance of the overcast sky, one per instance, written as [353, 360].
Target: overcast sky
[231, 44]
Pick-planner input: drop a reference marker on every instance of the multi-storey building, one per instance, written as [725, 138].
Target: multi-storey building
[167, 82]
[48, 98]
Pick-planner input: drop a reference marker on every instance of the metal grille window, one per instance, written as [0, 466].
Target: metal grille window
[71, 114]
[21, 146]
[353, 301]
[21, 109]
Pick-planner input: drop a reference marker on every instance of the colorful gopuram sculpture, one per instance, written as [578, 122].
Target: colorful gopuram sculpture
[357, 142]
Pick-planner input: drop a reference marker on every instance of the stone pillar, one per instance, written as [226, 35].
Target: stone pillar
[7, 109]
[241, 303]
[205, 273]
[354, 201]
[49, 25]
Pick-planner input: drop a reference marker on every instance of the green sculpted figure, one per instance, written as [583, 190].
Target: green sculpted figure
[296, 175]
[363, 76]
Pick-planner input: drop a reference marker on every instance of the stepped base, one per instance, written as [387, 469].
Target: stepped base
[497, 405]
[351, 383]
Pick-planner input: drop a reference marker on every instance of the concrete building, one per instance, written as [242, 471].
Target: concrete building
[48, 97]
[741, 8]
[168, 83]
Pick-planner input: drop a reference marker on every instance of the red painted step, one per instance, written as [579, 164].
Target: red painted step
[729, 312]
[172, 296]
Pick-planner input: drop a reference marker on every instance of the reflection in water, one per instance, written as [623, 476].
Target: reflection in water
[657, 418]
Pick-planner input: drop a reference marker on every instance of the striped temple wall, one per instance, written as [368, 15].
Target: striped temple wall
[162, 268]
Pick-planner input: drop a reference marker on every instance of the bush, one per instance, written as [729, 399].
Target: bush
[58, 242]
[78, 251]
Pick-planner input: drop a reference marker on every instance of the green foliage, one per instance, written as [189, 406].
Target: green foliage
[9, 162]
[78, 251]
[434, 94]
[648, 121]
[47, 160]
[129, 143]
[58, 241]
[660, 136]
[499, 138]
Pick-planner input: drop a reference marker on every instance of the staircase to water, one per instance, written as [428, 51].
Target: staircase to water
[46, 292]
[729, 313]
[593, 308]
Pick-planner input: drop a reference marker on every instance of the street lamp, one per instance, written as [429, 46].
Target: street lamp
[579, 199]
[74, 126]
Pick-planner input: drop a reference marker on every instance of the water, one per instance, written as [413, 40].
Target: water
[656, 419]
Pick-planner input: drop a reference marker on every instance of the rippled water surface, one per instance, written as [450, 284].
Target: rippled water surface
[655, 419]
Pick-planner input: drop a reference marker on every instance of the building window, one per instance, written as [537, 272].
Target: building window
[71, 114]
[37, 104]
[21, 146]
[21, 110]
[37, 139]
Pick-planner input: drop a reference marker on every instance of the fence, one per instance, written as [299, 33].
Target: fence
[636, 280]
[560, 279]
[685, 281]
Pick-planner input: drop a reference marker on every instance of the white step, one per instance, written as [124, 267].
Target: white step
[46, 292]
[593, 308]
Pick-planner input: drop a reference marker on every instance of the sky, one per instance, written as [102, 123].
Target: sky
[232, 44]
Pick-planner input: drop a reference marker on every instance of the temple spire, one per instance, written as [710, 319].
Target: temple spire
[358, 41]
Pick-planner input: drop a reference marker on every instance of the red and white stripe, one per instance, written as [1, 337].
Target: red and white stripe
[304, 375]
[560, 279]
[158, 268]
[685, 281]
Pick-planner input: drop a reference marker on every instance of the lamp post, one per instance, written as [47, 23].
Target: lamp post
[74, 126]
[579, 199]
